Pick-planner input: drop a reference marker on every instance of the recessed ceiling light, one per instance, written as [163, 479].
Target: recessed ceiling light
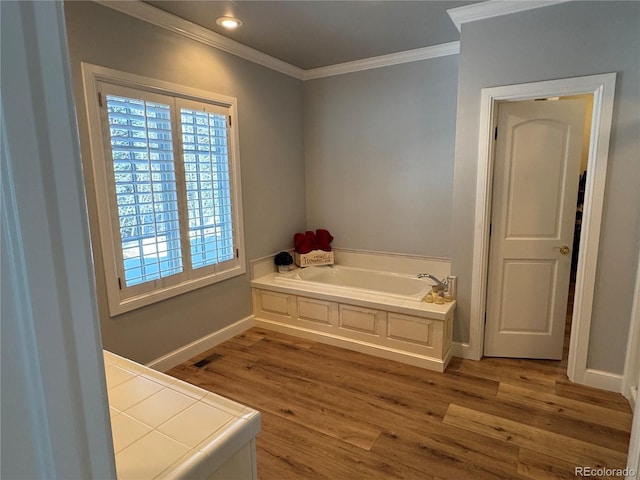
[228, 22]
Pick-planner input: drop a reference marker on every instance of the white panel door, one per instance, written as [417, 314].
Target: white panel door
[535, 188]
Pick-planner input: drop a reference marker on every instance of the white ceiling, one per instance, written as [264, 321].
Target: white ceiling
[317, 33]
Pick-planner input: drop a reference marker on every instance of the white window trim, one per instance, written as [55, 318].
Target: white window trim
[91, 75]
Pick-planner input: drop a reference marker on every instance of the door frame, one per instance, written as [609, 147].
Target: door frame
[602, 87]
[631, 375]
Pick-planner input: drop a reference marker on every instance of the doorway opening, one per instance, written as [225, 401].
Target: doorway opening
[574, 267]
[582, 183]
[602, 88]
[541, 151]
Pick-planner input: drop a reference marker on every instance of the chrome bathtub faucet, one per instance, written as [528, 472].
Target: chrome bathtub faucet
[442, 283]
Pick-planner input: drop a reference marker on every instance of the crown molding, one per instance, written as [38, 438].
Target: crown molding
[495, 8]
[451, 48]
[175, 24]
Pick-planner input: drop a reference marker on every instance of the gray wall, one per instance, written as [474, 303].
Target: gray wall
[379, 156]
[566, 40]
[377, 166]
[271, 156]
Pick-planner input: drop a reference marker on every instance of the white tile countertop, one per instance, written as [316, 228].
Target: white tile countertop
[166, 428]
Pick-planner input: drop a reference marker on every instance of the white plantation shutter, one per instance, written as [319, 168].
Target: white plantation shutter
[145, 188]
[208, 185]
[167, 179]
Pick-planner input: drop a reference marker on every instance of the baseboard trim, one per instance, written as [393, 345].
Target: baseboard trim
[632, 396]
[356, 345]
[592, 378]
[602, 380]
[462, 350]
[171, 359]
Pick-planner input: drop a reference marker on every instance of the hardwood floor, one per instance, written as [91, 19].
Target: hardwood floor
[330, 413]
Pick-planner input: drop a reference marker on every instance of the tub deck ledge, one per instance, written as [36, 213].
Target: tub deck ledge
[356, 296]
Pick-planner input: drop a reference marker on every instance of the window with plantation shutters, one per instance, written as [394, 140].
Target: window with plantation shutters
[166, 178]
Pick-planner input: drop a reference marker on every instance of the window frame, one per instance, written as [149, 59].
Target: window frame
[124, 299]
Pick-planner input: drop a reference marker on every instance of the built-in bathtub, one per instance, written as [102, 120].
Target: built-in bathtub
[376, 312]
[347, 280]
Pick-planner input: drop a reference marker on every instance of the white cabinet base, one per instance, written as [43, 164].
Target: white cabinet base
[412, 339]
[241, 465]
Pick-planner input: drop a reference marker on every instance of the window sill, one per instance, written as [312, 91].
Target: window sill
[118, 305]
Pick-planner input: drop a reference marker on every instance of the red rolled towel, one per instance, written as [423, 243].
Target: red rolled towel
[303, 243]
[310, 237]
[298, 238]
[324, 239]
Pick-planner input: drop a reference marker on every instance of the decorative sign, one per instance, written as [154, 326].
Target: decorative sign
[314, 258]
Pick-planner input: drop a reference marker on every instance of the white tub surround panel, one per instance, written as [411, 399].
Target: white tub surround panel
[402, 329]
[165, 428]
[393, 262]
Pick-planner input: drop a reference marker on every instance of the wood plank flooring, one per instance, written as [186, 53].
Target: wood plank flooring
[330, 413]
